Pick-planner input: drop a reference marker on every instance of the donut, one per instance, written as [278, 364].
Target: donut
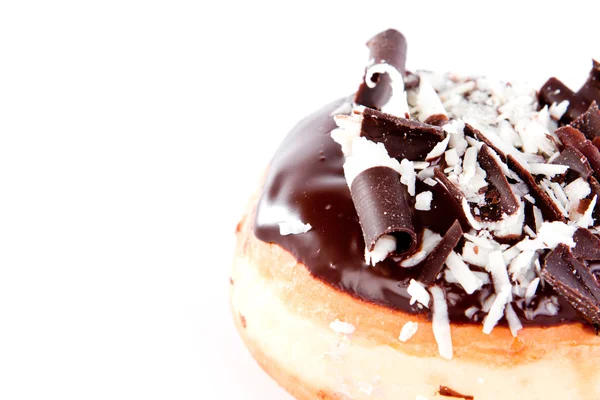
[432, 236]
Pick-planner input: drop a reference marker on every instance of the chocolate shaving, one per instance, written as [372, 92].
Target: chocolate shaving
[437, 120]
[575, 160]
[550, 211]
[476, 133]
[570, 136]
[401, 137]
[381, 203]
[590, 91]
[447, 392]
[495, 176]
[386, 47]
[587, 245]
[588, 123]
[573, 280]
[554, 91]
[457, 197]
[433, 264]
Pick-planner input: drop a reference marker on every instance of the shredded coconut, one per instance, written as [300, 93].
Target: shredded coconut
[423, 201]
[418, 293]
[408, 330]
[441, 323]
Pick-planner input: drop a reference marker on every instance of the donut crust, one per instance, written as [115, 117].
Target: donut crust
[283, 315]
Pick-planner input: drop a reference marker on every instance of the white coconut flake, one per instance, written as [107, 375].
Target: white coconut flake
[521, 263]
[428, 102]
[497, 268]
[342, 327]
[462, 273]
[586, 220]
[438, 149]
[420, 165]
[430, 182]
[531, 289]
[423, 201]
[384, 246]
[475, 255]
[408, 176]
[514, 323]
[441, 323]
[577, 190]
[428, 243]
[419, 397]
[538, 218]
[558, 110]
[293, 227]
[418, 293]
[497, 310]
[480, 241]
[408, 330]
[510, 254]
[467, 210]
[547, 169]
[451, 156]
[553, 233]
[367, 154]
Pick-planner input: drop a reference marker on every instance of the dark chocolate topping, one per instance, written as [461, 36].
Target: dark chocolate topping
[387, 47]
[588, 123]
[495, 176]
[401, 137]
[573, 280]
[446, 391]
[549, 210]
[435, 261]
[305, 181]
[575, 160]
[382, 205]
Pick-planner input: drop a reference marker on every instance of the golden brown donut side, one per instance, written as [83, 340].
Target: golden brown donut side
[560, 359]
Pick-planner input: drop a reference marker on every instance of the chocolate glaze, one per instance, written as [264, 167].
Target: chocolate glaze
[305, 181]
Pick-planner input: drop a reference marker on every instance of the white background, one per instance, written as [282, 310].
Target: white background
[131, 135]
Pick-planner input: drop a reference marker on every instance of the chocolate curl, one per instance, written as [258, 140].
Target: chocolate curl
[388, 47]
[549, 210]
[435, 261]
[588, 123]
[587, 245]
[381, 203]
[495, 176]
[402, 138]
[575, 160]
[476, 133]
[573, 280]
[570, 136]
